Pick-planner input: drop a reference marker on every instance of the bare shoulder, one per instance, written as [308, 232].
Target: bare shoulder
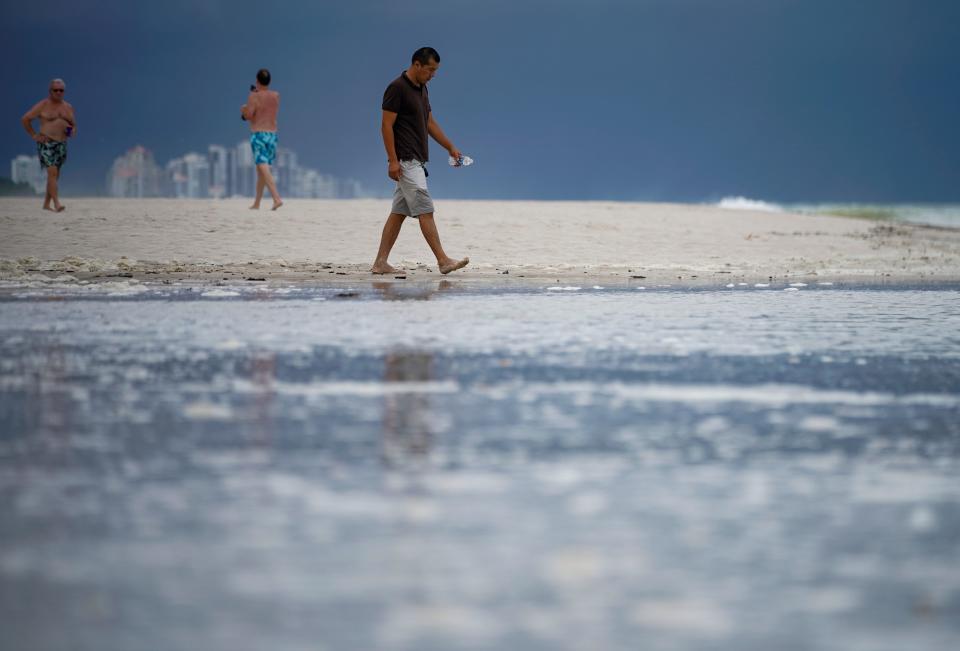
[35, 110]
[69, 106]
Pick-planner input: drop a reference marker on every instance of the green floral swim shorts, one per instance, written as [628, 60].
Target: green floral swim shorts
[52, 153]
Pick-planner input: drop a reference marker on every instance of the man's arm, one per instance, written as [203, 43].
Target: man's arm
[72, 120]
[249, 110]
[437, 134]
[386, 129]
[29, 117]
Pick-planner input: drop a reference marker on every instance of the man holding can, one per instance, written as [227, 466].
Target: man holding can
[407, 121]
[57, 123]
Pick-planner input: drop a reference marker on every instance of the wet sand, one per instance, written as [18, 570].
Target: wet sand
[307, 468]
[507, 241]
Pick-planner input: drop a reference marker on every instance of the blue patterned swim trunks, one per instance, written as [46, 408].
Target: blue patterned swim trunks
[264, 145]
[52, 153]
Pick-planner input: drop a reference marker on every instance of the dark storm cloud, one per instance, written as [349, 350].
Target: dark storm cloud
[678, 99]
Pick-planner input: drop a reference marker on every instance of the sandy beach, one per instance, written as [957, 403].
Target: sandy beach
[314, 240]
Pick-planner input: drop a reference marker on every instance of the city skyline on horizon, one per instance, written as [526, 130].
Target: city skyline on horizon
[180, 176]
[356, 189]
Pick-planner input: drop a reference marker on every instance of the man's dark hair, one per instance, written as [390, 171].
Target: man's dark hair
[424, 55]
[263, 76]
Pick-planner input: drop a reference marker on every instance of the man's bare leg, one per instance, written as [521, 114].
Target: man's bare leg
[429, 229]
[263, 170]
[53, 173]
[391, 230]
[260, 185]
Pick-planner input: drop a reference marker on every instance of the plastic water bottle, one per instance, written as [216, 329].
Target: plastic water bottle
[461, 161]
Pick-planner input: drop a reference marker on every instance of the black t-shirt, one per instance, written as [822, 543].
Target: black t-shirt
[411, 103]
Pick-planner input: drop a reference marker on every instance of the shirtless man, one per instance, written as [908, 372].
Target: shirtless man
[261, 111]
[57, 123]
[407, 121]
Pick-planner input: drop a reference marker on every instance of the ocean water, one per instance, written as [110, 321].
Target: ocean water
[931, 214]
[431, 467]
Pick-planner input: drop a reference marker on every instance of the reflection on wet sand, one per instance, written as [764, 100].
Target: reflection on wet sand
[407, 434]
[403, 292]
[53, 402]
[262, 376]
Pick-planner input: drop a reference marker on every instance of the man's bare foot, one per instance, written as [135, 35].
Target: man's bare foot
[453, 265]
[255, 206]
[277, 205]
[49, 208]
[383, 268]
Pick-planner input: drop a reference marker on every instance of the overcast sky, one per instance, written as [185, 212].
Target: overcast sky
[784, 100]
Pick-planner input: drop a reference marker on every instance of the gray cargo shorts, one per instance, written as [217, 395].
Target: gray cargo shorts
[411, 198]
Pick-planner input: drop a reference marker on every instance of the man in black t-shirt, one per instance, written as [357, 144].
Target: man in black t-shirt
[407, 121]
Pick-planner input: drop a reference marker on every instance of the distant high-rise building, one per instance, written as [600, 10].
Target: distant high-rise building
[26, 169]
[198, 176]
[188, 177]
[176, 179]
[231, 172]
[134, 175]
[314, 185]
[286, 172]
[244, 172]
[219, 171]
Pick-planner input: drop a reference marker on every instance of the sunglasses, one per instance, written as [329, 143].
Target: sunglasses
[57, 90]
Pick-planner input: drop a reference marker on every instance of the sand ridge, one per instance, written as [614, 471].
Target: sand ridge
[324, 239]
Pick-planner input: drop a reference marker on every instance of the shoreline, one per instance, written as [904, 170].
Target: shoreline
[509, 242]
[338, 276]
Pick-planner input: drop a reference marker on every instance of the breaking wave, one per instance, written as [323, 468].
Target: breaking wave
[743, 203]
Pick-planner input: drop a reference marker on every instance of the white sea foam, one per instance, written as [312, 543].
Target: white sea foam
[203, 410]
[743, 203]
[41, 286]
[345, 388]
[764, 394]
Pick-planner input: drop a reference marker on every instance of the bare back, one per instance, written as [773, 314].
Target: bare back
[263, 107]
